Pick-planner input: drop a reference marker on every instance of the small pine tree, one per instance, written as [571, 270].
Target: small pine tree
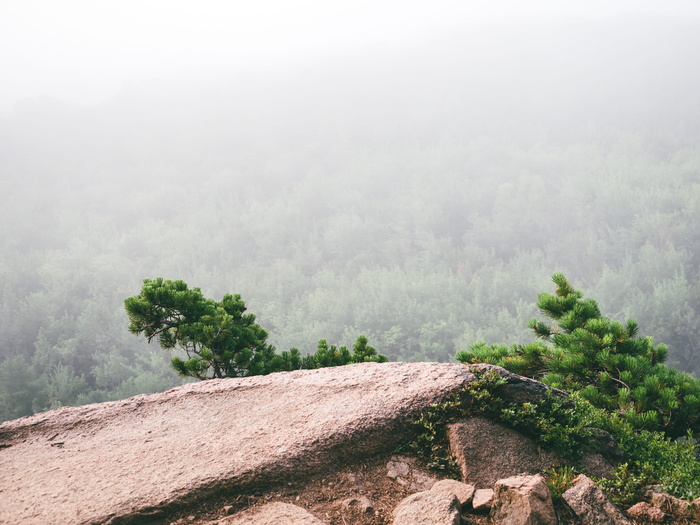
[219, 338]
[604, 360]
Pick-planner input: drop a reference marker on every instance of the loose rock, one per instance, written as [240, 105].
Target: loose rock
[463, 491]
[481, 502]
[428, 508]
[523, 500]
[487, 451]
[591, 505]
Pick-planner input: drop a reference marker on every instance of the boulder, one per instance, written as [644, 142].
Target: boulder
[462, 491]
[141, 458]
[592, 506]
[428, 508]
[487, 451]
[277, 512]
[522, 500]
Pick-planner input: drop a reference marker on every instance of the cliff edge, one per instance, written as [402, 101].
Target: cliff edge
[133, 460]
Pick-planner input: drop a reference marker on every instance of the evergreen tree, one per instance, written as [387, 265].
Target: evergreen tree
[219, 338]
[602, 359]
[332, 355]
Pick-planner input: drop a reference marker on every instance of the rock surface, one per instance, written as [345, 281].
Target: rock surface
[591, 505]
[428, 508]
[272, 513]
[644, 511]
[462, 491]
[669, 503]
[487, 451]
[523, 500]
[133, 460]
[482, 499]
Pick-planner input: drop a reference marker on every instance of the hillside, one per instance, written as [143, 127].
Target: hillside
[419, 194]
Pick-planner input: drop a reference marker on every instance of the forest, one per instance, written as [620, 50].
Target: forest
[420, 195]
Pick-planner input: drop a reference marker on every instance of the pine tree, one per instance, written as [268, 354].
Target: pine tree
[219, 338]
[604, 360]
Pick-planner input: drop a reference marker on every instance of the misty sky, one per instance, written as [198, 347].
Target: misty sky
[84, 51]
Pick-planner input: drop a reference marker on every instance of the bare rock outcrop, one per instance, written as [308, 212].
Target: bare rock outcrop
[487, 451]
[136, 459]
[647, 512]
[670, 504]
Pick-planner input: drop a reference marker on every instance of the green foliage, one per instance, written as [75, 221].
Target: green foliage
[555, 422]
[559, 480]
[601, 359]
[564, 424]
[332, 355]
[219, 338]
[618, 383]
[653, 459]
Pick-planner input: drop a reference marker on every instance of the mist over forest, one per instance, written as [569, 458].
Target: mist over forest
[420, 193]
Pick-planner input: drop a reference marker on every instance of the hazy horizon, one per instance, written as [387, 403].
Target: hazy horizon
[85, 53]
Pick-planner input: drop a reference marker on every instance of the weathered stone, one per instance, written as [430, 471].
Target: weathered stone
[481, 502]
[647, 512]
[277, 512]
[487, 451]
[428, 508]
[669, 504]
[145, 456]
[522, 500]
[591, 505]
[463, 491]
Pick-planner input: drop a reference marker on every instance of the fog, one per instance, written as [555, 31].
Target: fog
[411, 172]
[86, 52]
